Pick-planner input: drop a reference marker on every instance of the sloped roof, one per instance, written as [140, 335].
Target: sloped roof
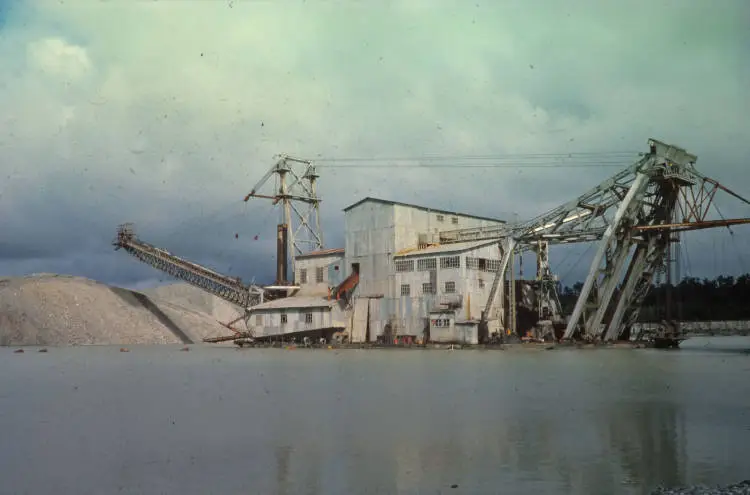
[322, 252]
[456, 247]
[294, 302]
[425, 208]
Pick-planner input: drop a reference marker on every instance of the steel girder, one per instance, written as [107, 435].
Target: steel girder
[644, 194]
[612, 294]
[227, 288]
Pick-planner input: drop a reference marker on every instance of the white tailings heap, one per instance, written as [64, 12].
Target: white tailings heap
[58, 310]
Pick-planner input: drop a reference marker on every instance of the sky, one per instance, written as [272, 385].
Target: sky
[166, 113]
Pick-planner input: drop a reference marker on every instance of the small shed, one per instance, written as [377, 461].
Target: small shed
[294, 315]
[446, 329]
[442, 322]
[467, 331]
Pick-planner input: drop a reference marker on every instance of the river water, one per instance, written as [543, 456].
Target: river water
[222, 420]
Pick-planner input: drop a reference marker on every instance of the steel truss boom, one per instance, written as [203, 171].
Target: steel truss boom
[632, 215]
[228, 288]
[297, 192]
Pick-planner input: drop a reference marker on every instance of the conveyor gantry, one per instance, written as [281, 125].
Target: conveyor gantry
[228, 288]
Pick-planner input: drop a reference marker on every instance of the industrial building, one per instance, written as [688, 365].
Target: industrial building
[407, 285]
[413, 272]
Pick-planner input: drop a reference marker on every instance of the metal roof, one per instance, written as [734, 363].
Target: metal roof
[294, 302]
[456, 247]
[425, 208]
[322, 252]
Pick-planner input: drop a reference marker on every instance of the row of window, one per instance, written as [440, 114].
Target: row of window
[482, 264]
[308, 318]
[441, 322]
[427, 288]
[427, 264]
[318, 275]
[441, 218]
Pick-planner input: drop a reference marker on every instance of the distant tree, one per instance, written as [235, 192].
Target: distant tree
[723, 298]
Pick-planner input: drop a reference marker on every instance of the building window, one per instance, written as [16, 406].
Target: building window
[258, 319]
[450, 262]
[426, 264]
[450, 287]
[427, 288]
[404, 265]
[481, 283]
[405, 290]
[440, 218]
[308, 317]
[283, 319]
[482, 264]
[454, 221]
[319, 275]
[303, 276]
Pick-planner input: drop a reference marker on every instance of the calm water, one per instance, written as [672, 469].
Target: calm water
[220, 420]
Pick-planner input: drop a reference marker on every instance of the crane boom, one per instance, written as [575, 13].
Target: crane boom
[228, 288]
[632, 215]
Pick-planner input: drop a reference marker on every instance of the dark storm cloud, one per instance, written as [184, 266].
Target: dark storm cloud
[106, 121]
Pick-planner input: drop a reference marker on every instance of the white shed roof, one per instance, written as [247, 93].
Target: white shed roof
[294, 302]
[457, 247]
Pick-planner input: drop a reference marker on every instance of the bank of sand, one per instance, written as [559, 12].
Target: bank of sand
[59, 310]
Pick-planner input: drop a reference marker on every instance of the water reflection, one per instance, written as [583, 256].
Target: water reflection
[628, 449]
[560, 422]
[627, 445]
[649, 441]
[283, 459]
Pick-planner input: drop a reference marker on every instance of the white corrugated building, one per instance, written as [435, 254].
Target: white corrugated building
[404, 277]
[297, 314]
[454, 278]
[383, 234]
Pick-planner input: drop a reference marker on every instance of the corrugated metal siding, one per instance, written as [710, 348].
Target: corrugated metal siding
[359, 320]
[413, 309]
[295, 321]
[311, 264]
[467, 333]
[336, 273]
[376, 321]
[410, 222]
[267, 323]
[369, 242]
[375, 231]
[461, 333]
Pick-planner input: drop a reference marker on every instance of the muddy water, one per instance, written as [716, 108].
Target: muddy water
[219, 420]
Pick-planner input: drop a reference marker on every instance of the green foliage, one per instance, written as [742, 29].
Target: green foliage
[721, 299]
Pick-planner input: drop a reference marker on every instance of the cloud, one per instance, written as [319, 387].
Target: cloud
[59, 59]
[167, 113]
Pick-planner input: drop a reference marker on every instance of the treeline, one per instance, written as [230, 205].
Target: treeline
[693, 299]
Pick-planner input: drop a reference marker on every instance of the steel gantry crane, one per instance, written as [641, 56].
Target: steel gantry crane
[296, 190]
[632, 216]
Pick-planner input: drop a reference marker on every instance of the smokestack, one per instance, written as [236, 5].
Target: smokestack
[281, 254]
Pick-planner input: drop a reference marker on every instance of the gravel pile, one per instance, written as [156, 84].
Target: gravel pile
[742, 488]
[187, 296]
[58, 310]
